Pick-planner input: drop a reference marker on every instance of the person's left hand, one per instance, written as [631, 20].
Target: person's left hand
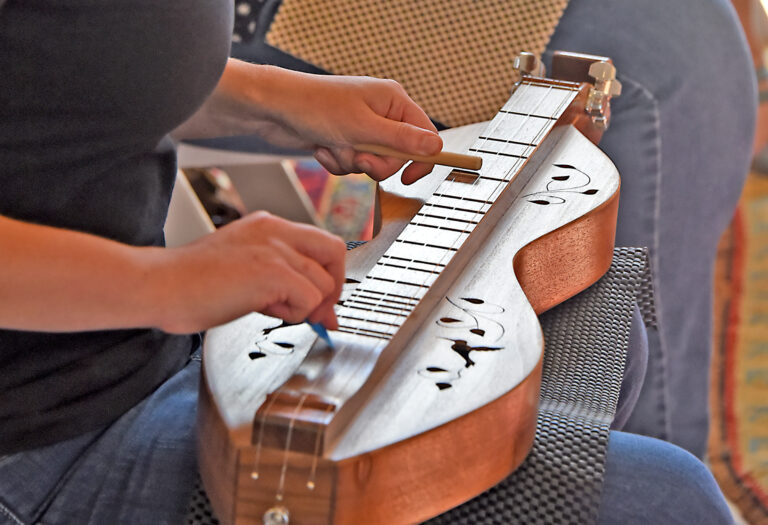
[330, 114]
[323, 113]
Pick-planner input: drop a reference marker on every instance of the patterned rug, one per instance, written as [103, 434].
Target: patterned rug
[344, 205]
[738, 446]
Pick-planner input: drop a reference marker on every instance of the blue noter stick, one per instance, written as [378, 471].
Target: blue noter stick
[322, 332]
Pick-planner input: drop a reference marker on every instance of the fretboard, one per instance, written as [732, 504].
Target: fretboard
[405, 273]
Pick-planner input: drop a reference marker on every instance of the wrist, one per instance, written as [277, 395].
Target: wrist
[157, 287]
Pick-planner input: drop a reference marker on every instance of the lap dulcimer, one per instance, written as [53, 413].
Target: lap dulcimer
[429, 395]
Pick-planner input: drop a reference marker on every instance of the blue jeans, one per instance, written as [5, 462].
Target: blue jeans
[142, 470]
[681, 138]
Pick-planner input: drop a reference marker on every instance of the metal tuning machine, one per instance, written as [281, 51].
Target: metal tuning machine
[528, 64]
[580, 67]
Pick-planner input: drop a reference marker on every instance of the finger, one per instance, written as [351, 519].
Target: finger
[310, 269]
[339, 160]
[328, 161]
[376, 167]
[319, 277]
[413, 113]
[328, 250]
[295, 296]
[416, 170]
[406, 137]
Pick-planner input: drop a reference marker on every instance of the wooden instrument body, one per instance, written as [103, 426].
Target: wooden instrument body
[454, 411]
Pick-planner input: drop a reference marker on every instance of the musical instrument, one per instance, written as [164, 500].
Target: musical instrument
[429, 396]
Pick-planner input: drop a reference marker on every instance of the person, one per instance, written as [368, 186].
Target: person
[99, 373]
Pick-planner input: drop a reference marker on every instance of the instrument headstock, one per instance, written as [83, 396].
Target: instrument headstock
[598, 74]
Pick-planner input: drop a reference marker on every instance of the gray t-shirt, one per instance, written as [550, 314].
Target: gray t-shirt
[88, 92]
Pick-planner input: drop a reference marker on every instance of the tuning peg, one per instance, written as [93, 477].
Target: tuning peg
[606, 86]
[528, 64]
[604, 74]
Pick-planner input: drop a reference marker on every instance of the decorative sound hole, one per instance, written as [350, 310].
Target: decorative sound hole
[475, 331]
[266, 347]
[570, 180]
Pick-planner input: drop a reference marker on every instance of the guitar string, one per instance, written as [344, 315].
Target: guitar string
[537, 138]
[447, 250]
[504, 181]
[528, 151]
[310, 483]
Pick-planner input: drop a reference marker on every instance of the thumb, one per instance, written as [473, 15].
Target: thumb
[407, 137]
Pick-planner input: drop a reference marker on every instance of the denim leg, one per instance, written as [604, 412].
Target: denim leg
[652, 481]
[681, 137]
[140, 469]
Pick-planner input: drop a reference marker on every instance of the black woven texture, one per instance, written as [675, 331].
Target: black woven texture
[646, 297]
[560, 482]
[586, 344]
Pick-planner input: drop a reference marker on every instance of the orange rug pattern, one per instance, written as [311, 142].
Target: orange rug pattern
[738, 444]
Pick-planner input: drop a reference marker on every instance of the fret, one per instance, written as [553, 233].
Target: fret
[540, 99]
[409, 268]
[457, 198]
[481, 209]
[386, 336]
[383, 299]
[375, 309]
[387, 293]
[441, 226]
[497, 179]
[461, 217]
[426, 254]
[395, 276]
[364, 324]
[523, 129]
[490, 152]
[508, 141]
[413, 261]
[487, 191]
[403, 285]
[404, 290]
[509, 148]
[370, 306]
[548, 117]
[431, 236]
[375, 318]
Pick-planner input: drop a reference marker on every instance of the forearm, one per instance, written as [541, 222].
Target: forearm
[243, 102]
[59, 280]
[327, 114]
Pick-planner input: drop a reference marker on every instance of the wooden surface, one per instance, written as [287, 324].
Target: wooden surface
[454, 411]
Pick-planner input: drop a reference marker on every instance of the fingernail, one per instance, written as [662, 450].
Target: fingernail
[364, 166]
[430, 145]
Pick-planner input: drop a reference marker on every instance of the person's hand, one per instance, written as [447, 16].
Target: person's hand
[259, 263]
[323, 113]
[330, 114]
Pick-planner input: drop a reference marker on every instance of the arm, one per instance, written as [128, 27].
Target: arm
[327, 114]
[60, 280]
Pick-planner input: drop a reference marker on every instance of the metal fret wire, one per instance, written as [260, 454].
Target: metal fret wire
[469, 227]
[514, 169]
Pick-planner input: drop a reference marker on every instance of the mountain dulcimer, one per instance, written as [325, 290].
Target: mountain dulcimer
[429, 395]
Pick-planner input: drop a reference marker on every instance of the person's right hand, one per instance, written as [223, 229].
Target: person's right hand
[259, 263]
